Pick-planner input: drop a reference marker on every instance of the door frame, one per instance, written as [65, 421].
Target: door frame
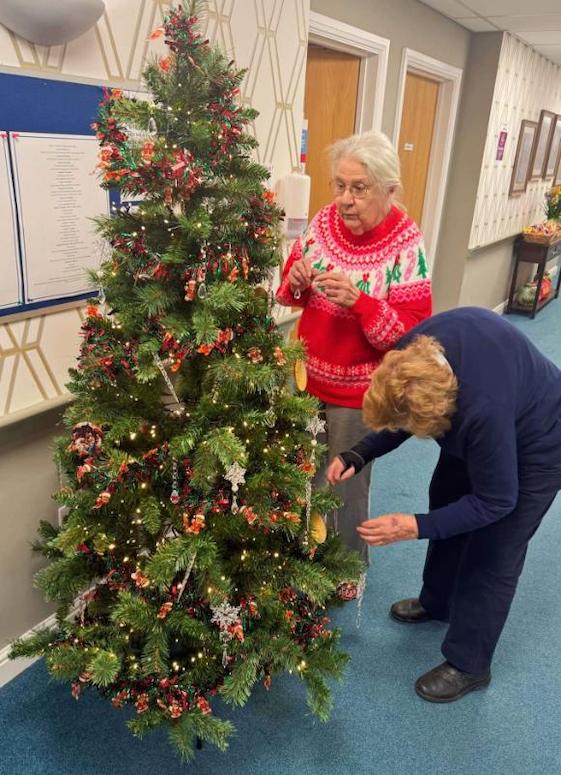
[374, 54]
[450, 79]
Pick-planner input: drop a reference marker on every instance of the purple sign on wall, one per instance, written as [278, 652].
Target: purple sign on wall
[501, 145]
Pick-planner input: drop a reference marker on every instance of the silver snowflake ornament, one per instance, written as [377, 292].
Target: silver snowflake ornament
[316, 426]
[236, 475]
[225, 614]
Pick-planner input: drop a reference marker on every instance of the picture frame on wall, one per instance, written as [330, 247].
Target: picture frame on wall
[554, 149]
[542, 143]
[557, 176]
[521, 168]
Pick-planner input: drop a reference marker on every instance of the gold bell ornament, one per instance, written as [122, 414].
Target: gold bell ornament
[318, 528]
[300, 373]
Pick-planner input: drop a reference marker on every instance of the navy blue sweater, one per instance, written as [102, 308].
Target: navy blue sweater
[508, 420]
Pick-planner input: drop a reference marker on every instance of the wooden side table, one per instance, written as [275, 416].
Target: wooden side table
[533, 253]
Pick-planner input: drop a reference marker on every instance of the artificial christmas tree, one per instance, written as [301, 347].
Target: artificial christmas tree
[190, 562]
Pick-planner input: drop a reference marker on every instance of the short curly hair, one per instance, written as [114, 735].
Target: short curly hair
[413, 389]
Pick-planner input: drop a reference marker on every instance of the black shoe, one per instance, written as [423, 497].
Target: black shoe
[409, 611]
[446, 683]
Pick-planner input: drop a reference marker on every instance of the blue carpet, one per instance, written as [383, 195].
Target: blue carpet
[379, 726]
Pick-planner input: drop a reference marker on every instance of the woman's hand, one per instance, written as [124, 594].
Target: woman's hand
[388, 529]
[338, 288]
[301, 274]
[336, 471]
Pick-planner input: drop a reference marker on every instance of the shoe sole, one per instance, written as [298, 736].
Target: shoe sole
[404, 620]
[467, 690]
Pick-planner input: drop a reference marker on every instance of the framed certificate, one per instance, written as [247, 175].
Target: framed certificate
[521, 169]
[542, 143]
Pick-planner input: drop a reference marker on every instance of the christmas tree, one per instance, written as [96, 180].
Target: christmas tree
[188, 566]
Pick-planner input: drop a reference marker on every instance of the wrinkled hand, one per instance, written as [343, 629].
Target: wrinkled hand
[338, 288]
[336, 471]
[388, 529]
[301, 274]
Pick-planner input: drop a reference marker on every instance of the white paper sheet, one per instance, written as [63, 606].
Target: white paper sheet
[58, 195]
[10, 292]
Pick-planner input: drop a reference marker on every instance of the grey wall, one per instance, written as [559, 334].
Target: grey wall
[27, 480]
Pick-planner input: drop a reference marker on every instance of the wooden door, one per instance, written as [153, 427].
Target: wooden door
[330, 107]
[415, 140]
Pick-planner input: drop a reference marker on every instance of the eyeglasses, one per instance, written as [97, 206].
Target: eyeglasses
[356, 190]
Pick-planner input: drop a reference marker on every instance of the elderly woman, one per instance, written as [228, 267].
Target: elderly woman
[474, 383]
[360, 274]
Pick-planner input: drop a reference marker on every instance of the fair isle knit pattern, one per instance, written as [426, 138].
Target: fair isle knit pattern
[388, 265]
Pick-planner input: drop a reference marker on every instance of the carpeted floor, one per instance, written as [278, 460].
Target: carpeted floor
[379, 726]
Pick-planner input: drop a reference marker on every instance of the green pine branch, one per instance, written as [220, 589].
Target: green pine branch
[104, 667]
[34, 645]
[64, 578]
[311, 579]
[237, 686]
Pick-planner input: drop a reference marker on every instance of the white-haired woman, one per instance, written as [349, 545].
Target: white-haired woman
[360, 273]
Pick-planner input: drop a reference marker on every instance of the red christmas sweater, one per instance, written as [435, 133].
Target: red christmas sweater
[388, 265]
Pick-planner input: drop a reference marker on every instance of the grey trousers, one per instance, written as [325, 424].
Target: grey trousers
[344, 428]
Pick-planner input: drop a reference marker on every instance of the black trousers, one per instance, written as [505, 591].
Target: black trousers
[470, 580]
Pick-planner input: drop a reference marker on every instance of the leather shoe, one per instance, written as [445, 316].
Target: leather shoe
[409, 611]
[446, 683]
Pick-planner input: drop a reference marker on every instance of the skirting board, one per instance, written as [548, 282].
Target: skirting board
[10, 668]
[500, 308]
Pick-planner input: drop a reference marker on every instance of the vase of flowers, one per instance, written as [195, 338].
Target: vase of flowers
[553, 204]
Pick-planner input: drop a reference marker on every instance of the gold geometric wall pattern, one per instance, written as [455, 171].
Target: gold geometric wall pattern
[28, 373]
[266, 37]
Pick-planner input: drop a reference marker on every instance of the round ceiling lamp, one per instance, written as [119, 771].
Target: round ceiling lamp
[50, 22]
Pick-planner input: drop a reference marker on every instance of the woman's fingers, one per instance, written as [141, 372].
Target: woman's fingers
[336, 471]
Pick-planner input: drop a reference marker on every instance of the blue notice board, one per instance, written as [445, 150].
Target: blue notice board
[39, 105]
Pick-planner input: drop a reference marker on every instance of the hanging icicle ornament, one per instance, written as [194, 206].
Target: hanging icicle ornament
[227, 618]
[174, 497]
[177, 407]
[315, 427]
[270, 292]
[201, 274]
[306, 539]
[152, 126]
[360, 589]
[186, 576]
[235, 474]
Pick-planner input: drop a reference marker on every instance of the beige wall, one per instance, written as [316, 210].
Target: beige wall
[27, 479]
